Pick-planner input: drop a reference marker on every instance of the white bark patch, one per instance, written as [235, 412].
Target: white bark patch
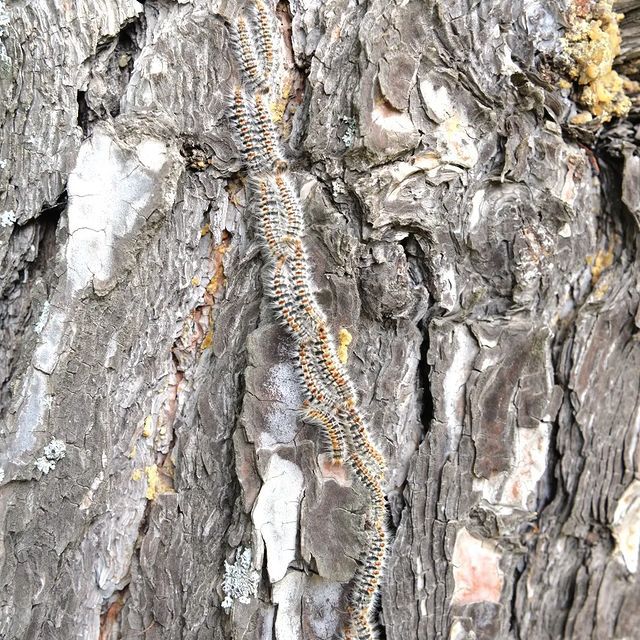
[87, 499]
[7, 218]
[458, 632]
[287, 594]
[455, 379]
[46, 354]
[476, 204]
[44, 316]
[110, 543]
[447, 285]
[565, 230]
[626, 526]
[283, 387]
[476, 570]
[325, 600]
[276, 513]
[152, 154]
[459, 139]
[391, 121]
[516, 488]
[32, 408]
[112, 189]
[456, 143]
[439, 106]
[109, 190]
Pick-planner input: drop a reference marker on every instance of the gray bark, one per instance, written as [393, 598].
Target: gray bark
[480, 249]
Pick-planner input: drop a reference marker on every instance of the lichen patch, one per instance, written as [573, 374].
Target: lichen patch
[344, 340]
[158, 482]
[592, 42]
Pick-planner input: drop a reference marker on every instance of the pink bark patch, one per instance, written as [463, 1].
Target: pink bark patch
[476, 570]
[332, 471]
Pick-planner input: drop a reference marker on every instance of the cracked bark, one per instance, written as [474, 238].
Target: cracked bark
[479, 248]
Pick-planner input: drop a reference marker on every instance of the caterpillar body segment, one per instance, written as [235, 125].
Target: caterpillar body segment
[302, 281]
[330, 360]
[331, 428]
[313, 386]
[243, 43]
[301, 296]
[370, 481]
[365, 585]
[292, 207]
[264, 29]
[243, 121]
[348, 414]
[259, 144]
[364, 627]
[270, 220]
[266, 132]
[282, 290]
[362, 443]
[281, 294]
[369, 573]
[325, 352]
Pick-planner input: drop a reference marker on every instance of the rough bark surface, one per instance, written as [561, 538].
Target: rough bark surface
[480, 249]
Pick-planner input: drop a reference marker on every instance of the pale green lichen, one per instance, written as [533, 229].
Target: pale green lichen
[349, 136]
[240, 580]
[7, 218]
[53, 453]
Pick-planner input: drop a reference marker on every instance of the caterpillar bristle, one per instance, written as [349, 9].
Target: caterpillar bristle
[263, 20]
[243, 44]
[332, 429]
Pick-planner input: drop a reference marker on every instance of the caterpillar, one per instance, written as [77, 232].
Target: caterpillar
[243, 43]
[331, 428]
[331, 401]
[264, 27]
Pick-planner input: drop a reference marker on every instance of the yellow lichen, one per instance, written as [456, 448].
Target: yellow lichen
[219, 279]
[279, 106]
[598, 263]
[157, 482]
[601, 290]
[136, 476]
[146, 428]
[581, 118]
[592, 41]
[195, 281]
[344, 340]
[208, 340]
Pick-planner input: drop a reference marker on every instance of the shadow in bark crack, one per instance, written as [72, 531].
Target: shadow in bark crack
[114, 61]
[32, 247]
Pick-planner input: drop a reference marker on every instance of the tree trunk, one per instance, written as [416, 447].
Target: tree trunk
[470, 185]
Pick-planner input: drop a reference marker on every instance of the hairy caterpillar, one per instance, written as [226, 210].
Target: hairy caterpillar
[331, 400]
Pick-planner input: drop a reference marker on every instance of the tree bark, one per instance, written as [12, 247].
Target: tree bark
[473, 221]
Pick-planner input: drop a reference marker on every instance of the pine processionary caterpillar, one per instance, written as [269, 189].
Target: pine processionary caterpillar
[294, 213]
[331, 428]
[264, 24]
[332, 402]
[267, 133]
[269, 220]
[242, 41]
